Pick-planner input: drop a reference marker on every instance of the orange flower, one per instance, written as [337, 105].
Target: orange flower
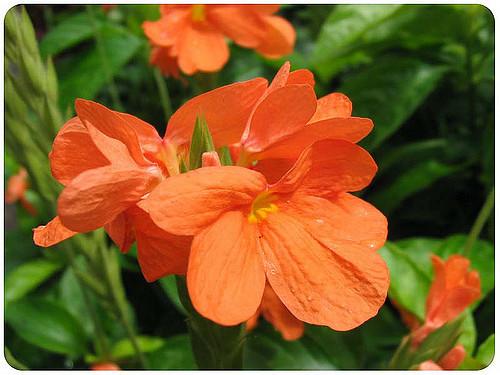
[302, 235]
[288, 118]
[108, 161]
[454, 288]
[278, 315]
[450, 361]
[194, 35]
[16, 191]
[106, 366]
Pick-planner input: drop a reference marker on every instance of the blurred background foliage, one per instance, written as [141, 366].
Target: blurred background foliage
[424, 74]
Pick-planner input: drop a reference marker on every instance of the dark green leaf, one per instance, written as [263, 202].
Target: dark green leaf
[27, 277]
[201, 141]
[69, 32]
[176, 354]
[268, 350]
[389, 91]
[169, 285]
[412, 181]
[46, 324]
[346, 26]
[83, 75]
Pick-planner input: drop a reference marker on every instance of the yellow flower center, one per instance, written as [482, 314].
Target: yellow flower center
[198, 12]
[261, 207]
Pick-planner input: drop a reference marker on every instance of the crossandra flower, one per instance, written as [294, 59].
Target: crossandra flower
[454, 289]
[194, 36]
[288, 118]
[17, 185]
[108, 161]
[312, 241]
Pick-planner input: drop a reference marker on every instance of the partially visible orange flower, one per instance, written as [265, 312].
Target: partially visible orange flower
[276, 313]
[312, 241]
[450, 361]
[289, 117]
[107, 7]
[17, 185]
[454, 288]
[161, 57]
[194, 35]
[105, 366]
[107, 162]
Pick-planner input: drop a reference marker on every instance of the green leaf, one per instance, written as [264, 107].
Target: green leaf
[48, 325]
[486, 351]
[169, 285]
[266, 349]
[176, 354]
[225, 156]
[201, 141]
[389, 91]
[84, 74]
[343, 30]
[414, 180]
[409, 284]
[69, 32]
[124, 348]
[468, 336]
[28, 276]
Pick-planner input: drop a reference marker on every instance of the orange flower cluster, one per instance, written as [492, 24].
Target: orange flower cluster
[454, 288]
[192, 37]
[297, 246]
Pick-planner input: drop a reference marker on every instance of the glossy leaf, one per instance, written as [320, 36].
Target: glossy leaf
[47, 325]
[124, 348]
[28, 277]
[389, 91]
[176, 354]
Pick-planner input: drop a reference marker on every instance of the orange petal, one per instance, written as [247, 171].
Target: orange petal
[52, 233]
[429, 366]
[282, 112]
[281, 77]
[148, 136]
[238, 24]
[351, 129]
[334, 105]
[167, 29]
[454, 288]
[337, 287]
[113, 150]
[339, 220]
[274, 169]
[97, 196]
[159, 253]
[187, 203]
[112, 125]
[301, 76]
[279, 39]
[452, 359]
[329, 167]
[167, 64]
[231, 104]
[74, 152]
[226, 276]
[202, 47]
[278, 315]
[121, 231]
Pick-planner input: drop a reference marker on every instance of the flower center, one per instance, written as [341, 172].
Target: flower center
[261, 207]
[198, 12]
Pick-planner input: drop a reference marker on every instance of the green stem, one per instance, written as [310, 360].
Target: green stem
[481, 219]
[115, 287]
[214, 346]
[164, 96]
[102, 347]
[113, 91]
